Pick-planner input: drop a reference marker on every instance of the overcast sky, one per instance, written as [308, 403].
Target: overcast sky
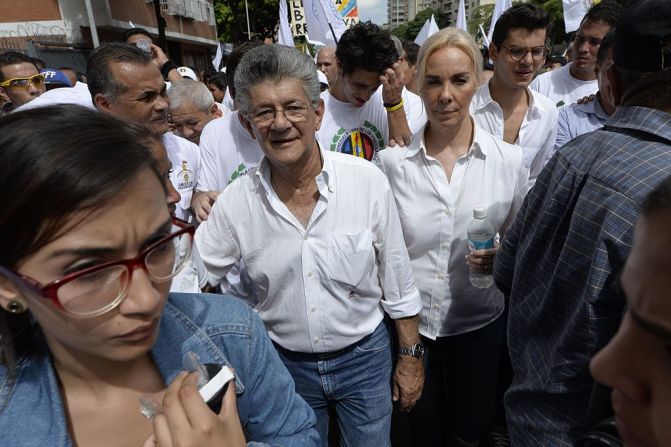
[373, 10]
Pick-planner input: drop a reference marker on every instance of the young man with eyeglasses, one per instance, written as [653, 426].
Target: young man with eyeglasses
[568, 84]
[505, 106]
[20, 80]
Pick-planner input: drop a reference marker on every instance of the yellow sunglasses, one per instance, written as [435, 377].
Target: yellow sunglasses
[36, 80]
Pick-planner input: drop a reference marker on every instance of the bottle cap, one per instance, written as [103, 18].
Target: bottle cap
[479, 213]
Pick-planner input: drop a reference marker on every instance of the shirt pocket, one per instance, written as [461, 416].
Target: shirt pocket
[350, 257]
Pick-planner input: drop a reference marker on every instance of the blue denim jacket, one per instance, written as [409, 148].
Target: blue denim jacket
[220, 330]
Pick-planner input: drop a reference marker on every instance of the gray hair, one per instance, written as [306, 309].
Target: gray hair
[274, 63]
[188, 91]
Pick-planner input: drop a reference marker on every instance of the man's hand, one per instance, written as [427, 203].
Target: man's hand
[587, 99]
[158, 56]
[408, 381]
[392, 84]
[201, 204]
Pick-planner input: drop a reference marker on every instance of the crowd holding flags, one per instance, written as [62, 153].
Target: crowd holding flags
[325, 24]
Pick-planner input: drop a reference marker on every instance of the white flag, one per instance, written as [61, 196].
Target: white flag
[574, 11]
[284, 36]
[499, 8]
[428, 28]
[461, 17]
[218, 57]
[318, 15]
[484, 35]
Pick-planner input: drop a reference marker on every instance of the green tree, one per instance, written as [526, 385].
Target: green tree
[232, 20]
[409, 31]
[482, 14]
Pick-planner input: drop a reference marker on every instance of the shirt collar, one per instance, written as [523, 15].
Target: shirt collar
[652, 121]
[325, 179]
[417, 144]
[483, 98]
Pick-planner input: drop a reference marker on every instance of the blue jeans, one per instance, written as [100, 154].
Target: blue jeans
[356, 380]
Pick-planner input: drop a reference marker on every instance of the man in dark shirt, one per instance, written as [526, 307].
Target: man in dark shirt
[558, 262]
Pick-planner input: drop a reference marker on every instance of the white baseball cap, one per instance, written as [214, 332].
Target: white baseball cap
[186, 72]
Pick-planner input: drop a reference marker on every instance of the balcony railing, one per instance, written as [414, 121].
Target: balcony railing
[199, 10]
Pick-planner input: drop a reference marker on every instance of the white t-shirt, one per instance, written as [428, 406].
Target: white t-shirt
[228, 151]
[363, 131]
[562, 88]
[185, 159]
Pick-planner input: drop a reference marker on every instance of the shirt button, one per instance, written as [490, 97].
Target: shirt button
[309, 274]
[306, 237]
[313, 308]
[441, 276]
[445, 245]
[447, 211]
[316, 339]
[435, 306]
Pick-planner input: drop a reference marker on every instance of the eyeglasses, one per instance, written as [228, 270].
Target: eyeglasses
[36, 80]
[295, 113]
[97, 290]
[517, 54]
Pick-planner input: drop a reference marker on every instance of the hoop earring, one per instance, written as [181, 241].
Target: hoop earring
[16, 307]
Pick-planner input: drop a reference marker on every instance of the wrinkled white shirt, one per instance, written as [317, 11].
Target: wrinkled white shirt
[324, 287]
[538, 131]
[434, 215]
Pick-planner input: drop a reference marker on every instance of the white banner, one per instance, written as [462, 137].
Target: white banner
[284, 36]
[430, 27]
[461, 17]
[319, 14]
[574, 11]
[499, 8]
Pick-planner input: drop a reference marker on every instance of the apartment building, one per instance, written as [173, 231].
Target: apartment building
[60, 31]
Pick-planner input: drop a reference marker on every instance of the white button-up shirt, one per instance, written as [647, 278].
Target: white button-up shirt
[324, 287]
[435, 213]
[538, 131]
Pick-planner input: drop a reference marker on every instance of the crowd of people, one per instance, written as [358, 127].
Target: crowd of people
[308, 223]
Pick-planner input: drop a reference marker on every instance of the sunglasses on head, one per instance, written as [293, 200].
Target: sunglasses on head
[36, 80]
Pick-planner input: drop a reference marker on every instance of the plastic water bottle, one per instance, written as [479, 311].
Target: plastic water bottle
[481, 235]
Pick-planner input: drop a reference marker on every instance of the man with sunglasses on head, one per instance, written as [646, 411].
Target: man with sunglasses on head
[566, 85]
[20, 80]
[505, 106]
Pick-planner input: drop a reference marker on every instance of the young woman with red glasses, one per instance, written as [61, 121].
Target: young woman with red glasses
[87, 326]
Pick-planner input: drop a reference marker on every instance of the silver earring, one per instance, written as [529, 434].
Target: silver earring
[16, 307]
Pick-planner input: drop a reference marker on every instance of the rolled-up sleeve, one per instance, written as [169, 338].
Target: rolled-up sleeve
[216, 242]
[400, 295]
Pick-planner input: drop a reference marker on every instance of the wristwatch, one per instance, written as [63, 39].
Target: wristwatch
[416, 350]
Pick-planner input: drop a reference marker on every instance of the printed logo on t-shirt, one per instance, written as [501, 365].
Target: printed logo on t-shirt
[364, 141]
[185, 177]
[239, 172]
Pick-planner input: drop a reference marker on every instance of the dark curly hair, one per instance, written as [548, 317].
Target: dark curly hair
[366, 46]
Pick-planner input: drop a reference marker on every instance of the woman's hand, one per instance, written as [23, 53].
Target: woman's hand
[482, 261]
[188, 421]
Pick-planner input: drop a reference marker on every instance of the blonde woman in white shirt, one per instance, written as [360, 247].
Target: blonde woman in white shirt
[451, 167]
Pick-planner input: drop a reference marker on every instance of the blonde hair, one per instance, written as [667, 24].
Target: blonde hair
[449, 37]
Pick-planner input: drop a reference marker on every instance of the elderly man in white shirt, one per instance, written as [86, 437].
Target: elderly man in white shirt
[505, 106]
[321, 238]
